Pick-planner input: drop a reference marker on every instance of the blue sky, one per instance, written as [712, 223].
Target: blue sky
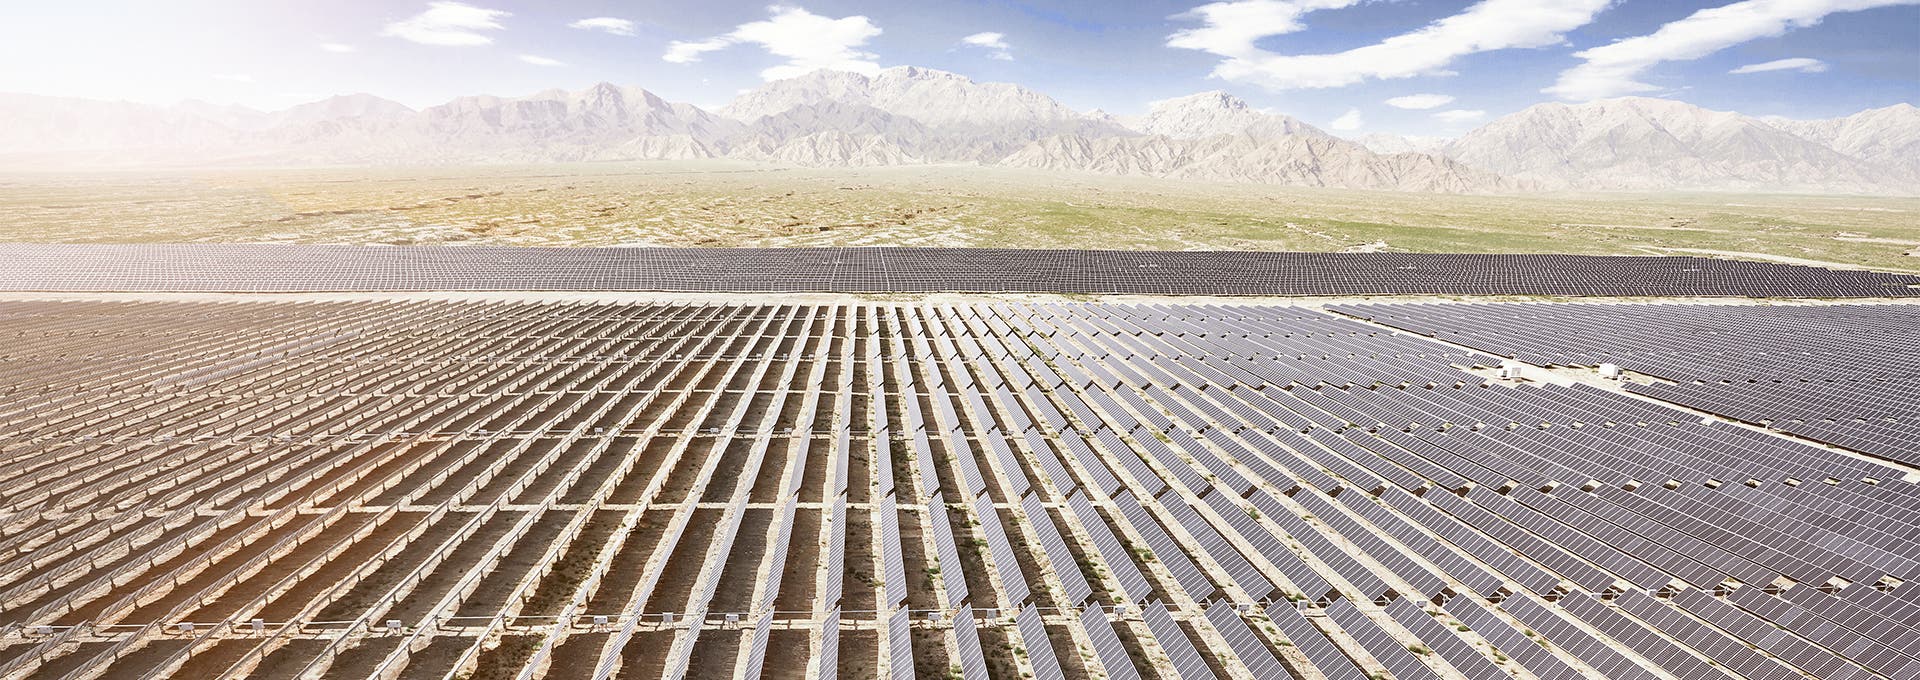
[1335, 63]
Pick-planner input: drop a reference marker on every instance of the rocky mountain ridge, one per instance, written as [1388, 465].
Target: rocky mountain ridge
[909, 115]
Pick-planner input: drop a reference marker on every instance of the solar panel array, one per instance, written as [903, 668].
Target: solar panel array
[1845, 375]
[591, 489]
[284, 268]
[1456, 651]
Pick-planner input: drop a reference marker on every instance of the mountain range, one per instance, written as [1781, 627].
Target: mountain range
[909, 115]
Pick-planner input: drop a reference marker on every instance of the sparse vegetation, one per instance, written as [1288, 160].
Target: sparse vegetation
[736, 204]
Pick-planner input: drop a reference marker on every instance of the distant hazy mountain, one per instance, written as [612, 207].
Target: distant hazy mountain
[1209, 114]
[934, 98]
[1653, 144]
[340, 108]
[603, 122]
[1887, 136]
[1216, 136]
[1299, 160]
[1381, 142]
[927, 116]
[91, 131]
[909, 115]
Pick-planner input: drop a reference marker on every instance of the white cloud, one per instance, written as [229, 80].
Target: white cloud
[338, 48]
[808, 41]
[996, 43]
[1233, 28]
[1460, 115]
[1348, 121]
[607, 24]
[684, 52]
[448, 24]
[1420, 101]
[1801, 64]
[538, 60]
[233, 77]
[1610, 70]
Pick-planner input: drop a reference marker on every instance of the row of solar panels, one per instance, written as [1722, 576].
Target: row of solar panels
[280, 268]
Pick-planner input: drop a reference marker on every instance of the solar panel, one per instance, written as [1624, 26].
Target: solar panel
[1444, 642]
[842, 457]
[1180, 651]
[1529, 576]
[1707, 640]
[900, 645]
[1557, 630]
[836, 553]
[1423, 580]
[1803, 654]
[969, 470]
[1316, 543]
[1246, 645]
[966, 645]
[1165, 550]
[1013, 584]
[1142, 474]
[892, 562]
[1476, 578]
[682, 651]
[1009, 463]
[1243, 573]
[1379, 644]
[927, 480]
[1107, 650]
[757, 653]
[1876, 654]
[827, 662]
[1119, 563]
[883, 456]
[1325, 656]
[1058, 556]
[1033, 637]
[1050, 463]
[1507, 640]
[951, 571]
[1083, 454]
[1169, 459]
[771, 588]
[1221, 471]
[1308, 584]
